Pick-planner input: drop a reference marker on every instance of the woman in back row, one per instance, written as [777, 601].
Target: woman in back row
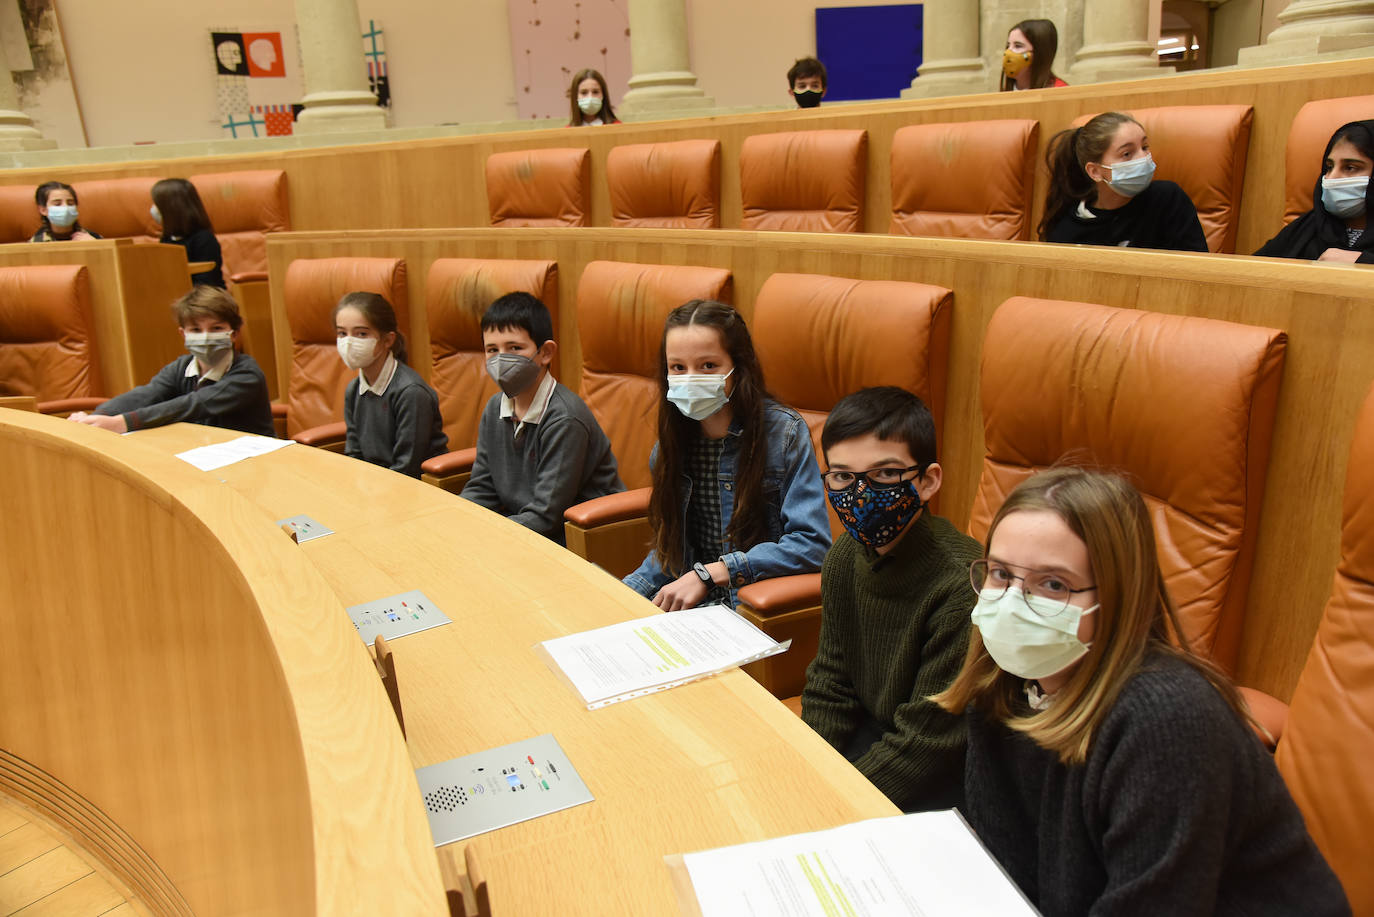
[1337, 226]
[1028, 61]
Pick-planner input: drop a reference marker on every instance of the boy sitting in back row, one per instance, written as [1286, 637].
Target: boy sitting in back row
[213, 384]
[806, 82]
[539, 449]
[895, 600]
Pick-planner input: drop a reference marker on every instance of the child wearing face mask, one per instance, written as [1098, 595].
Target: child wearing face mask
[591, 100]
[1102, 191]
[57, 209]
[178, 209]
[806, 82]
[391, 414]
[1028, 61]
[1337, 226]
[212, 384]
[539, 448]
[1109, 770]
[736, 497]
[895, 604]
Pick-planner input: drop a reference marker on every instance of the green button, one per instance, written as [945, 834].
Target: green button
[546, 784]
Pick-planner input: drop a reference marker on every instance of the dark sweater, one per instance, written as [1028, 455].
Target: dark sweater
[399, 429]
[1178, 810]
[238, 401]
[894, 630]
[1161, 216]
[202, 245]
[556, 463]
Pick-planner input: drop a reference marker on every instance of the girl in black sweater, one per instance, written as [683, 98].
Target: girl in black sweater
[178, 209]
[1337, 226]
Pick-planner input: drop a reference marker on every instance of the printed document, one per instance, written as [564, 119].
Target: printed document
[208, 458]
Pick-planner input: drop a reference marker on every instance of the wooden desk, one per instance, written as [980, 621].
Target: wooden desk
[712, 763]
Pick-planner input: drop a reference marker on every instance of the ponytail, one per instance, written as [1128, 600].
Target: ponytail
[1068, 152]
[379, 314]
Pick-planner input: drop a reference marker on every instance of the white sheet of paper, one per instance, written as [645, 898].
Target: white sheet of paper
[208, 458]
[636, 657]
[929, 864]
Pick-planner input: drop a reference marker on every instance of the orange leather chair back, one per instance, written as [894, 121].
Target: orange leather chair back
[1183, 405]
[1202, 149]
[804, 181]
[117, 208]
[969, 181]
[457, 292]
[665, 185]
[242, 206]
[1328, 741]
[19, 218]
[540, 188]
[313, 287]
[815, 338]
[47, 348]
[620, 313]
[1312, 127]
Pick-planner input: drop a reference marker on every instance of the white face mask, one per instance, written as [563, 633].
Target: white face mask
[210, 346]
[357, 352]
[590, 105]
[698, 395]
[1133, 176]
[1342, 197]
[155, 214]
[62, 215]
[1026, 643]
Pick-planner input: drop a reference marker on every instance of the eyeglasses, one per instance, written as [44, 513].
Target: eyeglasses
[990, 580]
[876, 477]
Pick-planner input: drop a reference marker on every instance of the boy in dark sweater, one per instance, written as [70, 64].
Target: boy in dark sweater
[213, 384]
[895, 604]
[539, 449]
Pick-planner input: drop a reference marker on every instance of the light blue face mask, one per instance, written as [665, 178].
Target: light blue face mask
[1342, 197]
[1131, 177]
[62, 215]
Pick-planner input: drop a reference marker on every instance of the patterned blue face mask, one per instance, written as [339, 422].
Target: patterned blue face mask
[875, 516]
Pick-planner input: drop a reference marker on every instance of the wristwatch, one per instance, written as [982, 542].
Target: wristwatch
[700, 570]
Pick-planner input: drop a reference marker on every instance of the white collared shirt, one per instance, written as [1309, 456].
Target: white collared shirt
[378, 388]
[213, 374]
[538, 404]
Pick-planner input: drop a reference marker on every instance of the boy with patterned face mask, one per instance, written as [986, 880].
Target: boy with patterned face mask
[539, 449]
[895, 604]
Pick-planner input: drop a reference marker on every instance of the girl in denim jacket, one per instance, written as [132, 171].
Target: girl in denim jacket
[737, 494]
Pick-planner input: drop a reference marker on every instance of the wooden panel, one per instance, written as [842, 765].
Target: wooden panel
[1325, 309]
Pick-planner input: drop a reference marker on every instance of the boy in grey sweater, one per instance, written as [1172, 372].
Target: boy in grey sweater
[539, 449]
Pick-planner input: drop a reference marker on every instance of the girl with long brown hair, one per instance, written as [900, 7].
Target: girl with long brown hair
[178, 209]
[1028, 61]
[590, 100]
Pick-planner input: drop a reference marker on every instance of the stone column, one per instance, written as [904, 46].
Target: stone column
[16, 128]
[1116, 43]
[663, 80]
[950, 62]
[336, 93]
[1312, 30]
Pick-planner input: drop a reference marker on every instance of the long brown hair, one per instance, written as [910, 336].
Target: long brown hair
[180, 206]
[378, 313]
[1136, 616]
[1044, 42]
[676, 432]
[1068, 152]
[607, 115]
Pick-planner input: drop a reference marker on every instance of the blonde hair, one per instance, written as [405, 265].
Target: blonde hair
[1136, 616]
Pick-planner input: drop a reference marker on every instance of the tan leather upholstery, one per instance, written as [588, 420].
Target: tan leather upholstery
[540, 188]
[971, 180]
[117, 208]
[804, 181]
[19, 218]
[1312, 127]
[47, 345]
[1202, 149]
[1183, 405]
[312, 289]
[242, 207]
[1328, 743]
[665, 185]
[815, 340]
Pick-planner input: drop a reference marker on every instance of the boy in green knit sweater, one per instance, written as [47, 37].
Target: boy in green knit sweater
[895, 603]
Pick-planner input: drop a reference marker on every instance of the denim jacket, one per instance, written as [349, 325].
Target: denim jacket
[798, 528]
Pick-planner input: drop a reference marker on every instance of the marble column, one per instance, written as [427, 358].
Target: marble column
[16, 128]
[663, 80]
[1311, 30]
[1116, 43]
[950, 62]
[336, 93]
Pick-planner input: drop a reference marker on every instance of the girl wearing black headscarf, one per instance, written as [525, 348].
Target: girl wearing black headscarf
[1336, 228]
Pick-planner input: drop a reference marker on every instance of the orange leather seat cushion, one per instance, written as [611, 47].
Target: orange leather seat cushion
[242, 207]
[117, 208]
[457, 292]
[1183, 405]
[971, 180]
[665, 185]
[1312, 127]
[620, 312]
[540, 187]
[313, 287]
[47, 348]
[804, 181]
[19, 218]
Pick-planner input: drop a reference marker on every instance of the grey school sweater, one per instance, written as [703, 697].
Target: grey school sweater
[398, 429]
[556, 463]
[237, 401]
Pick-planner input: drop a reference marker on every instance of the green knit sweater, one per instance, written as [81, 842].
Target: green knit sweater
[894, 630]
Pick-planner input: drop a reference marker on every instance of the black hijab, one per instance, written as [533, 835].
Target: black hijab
[1316, 230]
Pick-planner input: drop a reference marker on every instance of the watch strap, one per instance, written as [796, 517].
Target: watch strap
[700, 570]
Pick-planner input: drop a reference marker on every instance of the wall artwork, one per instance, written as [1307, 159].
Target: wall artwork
[38, 59]
[553, 39]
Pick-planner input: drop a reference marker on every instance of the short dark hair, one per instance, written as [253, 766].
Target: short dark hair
[40, 196]
[520, 310]
[887, 412]
[804, 68]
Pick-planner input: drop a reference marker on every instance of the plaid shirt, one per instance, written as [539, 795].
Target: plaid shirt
[704, 534]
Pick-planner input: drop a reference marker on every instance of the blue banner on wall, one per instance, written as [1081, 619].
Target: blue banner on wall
[869, 52]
